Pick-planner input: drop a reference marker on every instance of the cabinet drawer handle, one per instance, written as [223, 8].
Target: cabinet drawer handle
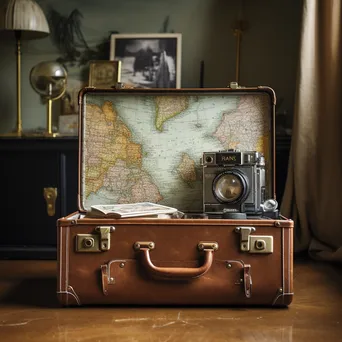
[50, 195]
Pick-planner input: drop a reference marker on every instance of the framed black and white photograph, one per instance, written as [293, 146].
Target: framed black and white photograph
[148, 60]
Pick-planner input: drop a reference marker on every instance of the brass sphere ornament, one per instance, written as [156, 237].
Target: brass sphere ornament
[49, 80]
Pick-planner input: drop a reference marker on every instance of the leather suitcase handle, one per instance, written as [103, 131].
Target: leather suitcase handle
[177, 272]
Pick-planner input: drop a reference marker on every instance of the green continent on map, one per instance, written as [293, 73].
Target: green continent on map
[168, 107]
[113, 160]
[186, 169]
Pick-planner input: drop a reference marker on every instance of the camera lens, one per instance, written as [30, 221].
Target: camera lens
[230, 187]
[209, 159]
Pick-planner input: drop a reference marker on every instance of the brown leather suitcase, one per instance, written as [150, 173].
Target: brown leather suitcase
[171, 261]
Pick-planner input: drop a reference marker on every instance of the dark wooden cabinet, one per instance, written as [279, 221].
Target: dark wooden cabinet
[27, 167]
[30, 165]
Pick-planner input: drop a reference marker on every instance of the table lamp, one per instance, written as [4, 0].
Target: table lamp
[26, 20]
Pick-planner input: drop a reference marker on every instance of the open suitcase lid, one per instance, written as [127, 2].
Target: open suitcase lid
[146, 145]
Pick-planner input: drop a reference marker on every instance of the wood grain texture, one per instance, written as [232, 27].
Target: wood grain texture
[29, 311]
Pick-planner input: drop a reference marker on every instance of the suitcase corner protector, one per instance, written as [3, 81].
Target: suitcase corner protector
[68, 298]
[284, 299]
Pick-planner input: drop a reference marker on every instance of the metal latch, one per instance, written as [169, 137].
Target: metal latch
[97, 242]
[254, 243]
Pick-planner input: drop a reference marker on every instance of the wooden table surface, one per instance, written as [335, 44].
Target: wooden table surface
[29, 311]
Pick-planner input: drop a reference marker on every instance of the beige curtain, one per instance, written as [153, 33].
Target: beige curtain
[313, 192]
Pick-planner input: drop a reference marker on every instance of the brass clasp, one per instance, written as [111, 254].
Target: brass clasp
[98, 242]
[259, 244]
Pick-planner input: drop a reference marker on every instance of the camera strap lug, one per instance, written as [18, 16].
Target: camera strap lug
[259, 244]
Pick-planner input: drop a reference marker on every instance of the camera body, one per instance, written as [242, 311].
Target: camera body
[233, 181]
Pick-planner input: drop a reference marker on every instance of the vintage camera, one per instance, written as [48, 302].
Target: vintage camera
[233, 182]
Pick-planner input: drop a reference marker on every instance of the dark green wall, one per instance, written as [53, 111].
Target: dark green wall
[269, 50]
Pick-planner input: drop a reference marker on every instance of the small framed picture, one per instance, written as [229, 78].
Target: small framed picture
[148, 60]
[104, 74]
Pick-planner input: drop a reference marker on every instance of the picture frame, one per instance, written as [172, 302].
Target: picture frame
[148, 60]
[104, 74]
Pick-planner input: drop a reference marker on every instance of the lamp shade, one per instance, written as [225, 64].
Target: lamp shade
[25, 16]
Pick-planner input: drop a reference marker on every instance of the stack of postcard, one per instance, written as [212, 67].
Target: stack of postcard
[129, 210]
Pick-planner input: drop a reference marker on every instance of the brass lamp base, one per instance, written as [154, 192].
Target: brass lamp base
[50, 135]
[12, 134]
